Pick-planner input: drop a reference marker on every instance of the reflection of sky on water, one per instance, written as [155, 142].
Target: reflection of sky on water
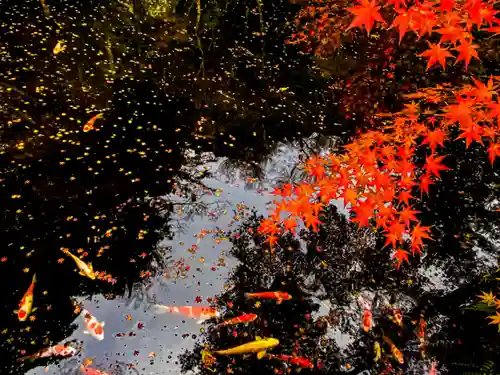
[163, 333]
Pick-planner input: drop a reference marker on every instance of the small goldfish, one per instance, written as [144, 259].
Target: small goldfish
[64, 350]
[259, 346]
[378, 351]
[85, 269]
[26, 304]
[421, 330]
[92, 371]
[94, 327]
[278, 296]
[297, 361]
[201, 313]
[90, 124]
[245, 318]
[395, 351]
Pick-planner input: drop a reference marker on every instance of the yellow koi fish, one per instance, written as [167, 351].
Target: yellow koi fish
[85, 269]
[259, 346]
[395, 351]
[378, 351]
[26, 304]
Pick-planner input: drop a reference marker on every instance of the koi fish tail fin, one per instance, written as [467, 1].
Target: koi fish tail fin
[160, 309]
[248, 295]
[65, 251]
[29, 358]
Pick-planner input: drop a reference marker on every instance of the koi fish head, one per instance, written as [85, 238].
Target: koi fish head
[22, 315]
[270, 342]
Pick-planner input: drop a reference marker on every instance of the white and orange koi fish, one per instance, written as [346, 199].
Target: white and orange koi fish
[94, 327]
[63, 350]
[200, 313]
[26, 304]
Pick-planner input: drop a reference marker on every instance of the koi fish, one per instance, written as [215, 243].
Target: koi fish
[297, 361]
[395, 351]
[421, 330]
[433, 370]
[90, 124]
[398, 317]
[245, 318]
[60, 47]
[278, 296]
[201, 313]
[26, 304]
[378, 351]
[94, 327]
[367, 320]
[64, 350]
[92, 371]
[259, 346]
[85, 269]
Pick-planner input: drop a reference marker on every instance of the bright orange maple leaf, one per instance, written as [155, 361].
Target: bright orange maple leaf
[400, 255]
[365, 15]
[466, 52]
[436, 54]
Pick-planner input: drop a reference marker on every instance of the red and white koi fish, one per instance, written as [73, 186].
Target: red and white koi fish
[395, 351]
[94, 327]
[200, 313]
[421, 331]
[26, 304]
[90, 124]
[297, 361]
[63, 350]
[278, 296]
[92, 371]
[245, 318]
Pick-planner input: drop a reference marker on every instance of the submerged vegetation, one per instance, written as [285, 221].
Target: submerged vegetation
[111, 111]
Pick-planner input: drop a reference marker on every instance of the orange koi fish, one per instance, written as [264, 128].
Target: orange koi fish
[201, 313]
[26, 304]
[90, 124]
[395, 351]
[245, 318]
[92, 371]
[278, 296]
[297, 361]
[367, 320]
[398, 317]
[94, 327]
[421, 330]
[64, 350]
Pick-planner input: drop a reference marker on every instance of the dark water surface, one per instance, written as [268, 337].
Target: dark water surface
[200, 120]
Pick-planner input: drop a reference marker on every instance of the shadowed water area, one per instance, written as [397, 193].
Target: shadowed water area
[204, 110]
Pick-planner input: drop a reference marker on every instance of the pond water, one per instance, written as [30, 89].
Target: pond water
[200, 119]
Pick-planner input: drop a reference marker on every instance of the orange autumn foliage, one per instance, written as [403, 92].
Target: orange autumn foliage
[324, 24]
[379, 174]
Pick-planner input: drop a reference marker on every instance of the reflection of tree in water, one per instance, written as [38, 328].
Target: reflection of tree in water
[339, 263]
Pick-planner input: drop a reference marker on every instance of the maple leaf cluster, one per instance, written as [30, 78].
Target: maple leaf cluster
[378, 175]
[490, 300]
[453, 20]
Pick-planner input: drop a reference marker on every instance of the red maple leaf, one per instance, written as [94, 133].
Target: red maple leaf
[434, 166]
[436, 54]
[418, 233]
[400, 255]
[434, 138]
[471, 133]
[366, 14]
[466, 52]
